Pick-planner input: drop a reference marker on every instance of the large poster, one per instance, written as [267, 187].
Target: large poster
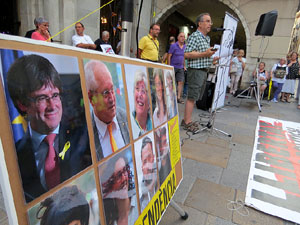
[274, 178]
[90, 138]
[225, 51]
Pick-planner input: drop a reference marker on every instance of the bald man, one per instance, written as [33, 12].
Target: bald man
[105, 115]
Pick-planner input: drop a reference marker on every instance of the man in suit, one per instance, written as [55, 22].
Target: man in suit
[50, 151]
[109, 121]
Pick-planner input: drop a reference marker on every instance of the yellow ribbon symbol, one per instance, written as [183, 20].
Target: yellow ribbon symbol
[63, 152]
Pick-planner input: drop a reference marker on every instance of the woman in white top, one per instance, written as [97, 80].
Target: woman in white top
[237, 64]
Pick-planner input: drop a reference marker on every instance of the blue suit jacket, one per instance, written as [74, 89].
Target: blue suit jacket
[76, 159]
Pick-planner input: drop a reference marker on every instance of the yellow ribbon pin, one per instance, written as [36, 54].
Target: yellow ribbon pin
[63, 152]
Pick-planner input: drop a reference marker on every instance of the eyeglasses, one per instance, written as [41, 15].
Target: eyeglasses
[44, 99]
[122, 172]
[208, 21]
[158, 84]
[141, 90]
[106, 93]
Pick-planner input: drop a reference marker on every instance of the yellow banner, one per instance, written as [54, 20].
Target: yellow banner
[174, 141]
[156, 207]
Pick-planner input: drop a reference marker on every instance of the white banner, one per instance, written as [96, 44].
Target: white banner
[225, 52]
[274, 177]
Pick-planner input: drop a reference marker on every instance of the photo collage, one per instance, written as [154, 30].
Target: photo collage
[91, 136]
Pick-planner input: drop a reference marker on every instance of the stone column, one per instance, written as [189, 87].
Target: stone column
[51, 13]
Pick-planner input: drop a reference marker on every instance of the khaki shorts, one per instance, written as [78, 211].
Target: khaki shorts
[196, 79]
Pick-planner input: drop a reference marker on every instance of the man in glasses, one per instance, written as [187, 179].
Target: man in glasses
[51, 151]
[149, 182]
[198, 54]
[109, 121]
[149, 45]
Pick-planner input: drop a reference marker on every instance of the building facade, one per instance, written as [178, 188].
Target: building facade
[62, 13]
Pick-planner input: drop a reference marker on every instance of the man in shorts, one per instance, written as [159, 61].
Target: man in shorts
[198, 53]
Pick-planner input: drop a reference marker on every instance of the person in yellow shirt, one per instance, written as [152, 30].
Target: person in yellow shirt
[149, 45]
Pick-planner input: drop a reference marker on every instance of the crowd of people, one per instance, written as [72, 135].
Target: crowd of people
[194, 55]
[280, 81]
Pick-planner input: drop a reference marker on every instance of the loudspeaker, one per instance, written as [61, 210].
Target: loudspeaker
[266, 24]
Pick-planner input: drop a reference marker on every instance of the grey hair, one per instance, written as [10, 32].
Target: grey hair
[104, 33]
[40, 20]
[200, 17]
[138, 77]
[89, 73]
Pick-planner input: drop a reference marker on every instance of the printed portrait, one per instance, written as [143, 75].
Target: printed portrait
[105, 89]
[170, 93]
[145, 158]
[159, 106]
[139, 99]
[44, 98]
[163, 152]
[118, 189]
[74, 204]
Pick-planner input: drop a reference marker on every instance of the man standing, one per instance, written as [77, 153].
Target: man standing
[103, 44]
[149, 45]
[198, 52]
[176, 59]
[51, 151]
[82, 40]
[109, 121]
[149, 183]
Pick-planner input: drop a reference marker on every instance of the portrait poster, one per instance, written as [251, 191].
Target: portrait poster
[53, 117]
[105, 89]
[159, 106]
[170, 85]
[163, 152]
[139, 99]
[273, 183]
[77, 201]
[230, 26]
[118, 188]
[145, 158]
[43, 94]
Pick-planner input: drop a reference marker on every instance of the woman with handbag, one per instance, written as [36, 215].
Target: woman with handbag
[293, 73]
[278, 73]
[237, 67]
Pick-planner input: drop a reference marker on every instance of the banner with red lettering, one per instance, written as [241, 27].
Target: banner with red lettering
[274, 177]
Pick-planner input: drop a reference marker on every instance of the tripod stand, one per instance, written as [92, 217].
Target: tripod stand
[254, 86]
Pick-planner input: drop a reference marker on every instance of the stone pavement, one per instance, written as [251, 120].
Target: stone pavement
[215, 167]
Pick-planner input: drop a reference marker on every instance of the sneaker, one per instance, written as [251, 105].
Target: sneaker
[191, 127]
[274, 100]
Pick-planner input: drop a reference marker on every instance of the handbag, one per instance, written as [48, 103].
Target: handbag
[233, 68]
[280, 72]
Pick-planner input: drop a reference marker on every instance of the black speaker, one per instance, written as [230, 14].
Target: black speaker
[266, 24]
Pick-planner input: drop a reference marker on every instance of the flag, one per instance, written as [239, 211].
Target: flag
[18, 122]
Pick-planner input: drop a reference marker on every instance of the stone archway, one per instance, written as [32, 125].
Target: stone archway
[166, 8]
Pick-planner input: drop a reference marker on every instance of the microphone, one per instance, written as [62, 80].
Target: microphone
[216, 29]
